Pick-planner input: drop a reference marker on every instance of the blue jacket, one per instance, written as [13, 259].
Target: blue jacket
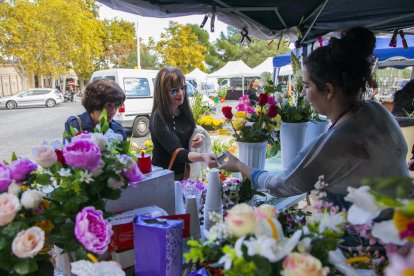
[88, 125]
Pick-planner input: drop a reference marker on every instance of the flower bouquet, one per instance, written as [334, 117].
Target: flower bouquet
[24, 229]
[253, 123]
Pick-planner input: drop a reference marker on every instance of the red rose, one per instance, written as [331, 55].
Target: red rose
[262, 99]
[227, 112]
[272, 112]
[60, 157]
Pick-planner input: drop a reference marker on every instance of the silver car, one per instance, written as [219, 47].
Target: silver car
[48, 97]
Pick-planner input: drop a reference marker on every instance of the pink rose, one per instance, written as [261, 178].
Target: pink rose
[5, 178]
[271, 100]
[9, 206]
[92, 230]
[303, 264]
[45, 156]
[82, 154]
[28, 242]
[21, 168]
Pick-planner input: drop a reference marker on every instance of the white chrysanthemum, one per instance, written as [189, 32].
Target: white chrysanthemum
[86, 177]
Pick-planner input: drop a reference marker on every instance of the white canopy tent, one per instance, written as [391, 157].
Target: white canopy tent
[267, 66]
[207, 84]
[234, 69]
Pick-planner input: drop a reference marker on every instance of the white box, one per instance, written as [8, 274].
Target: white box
[157, 188]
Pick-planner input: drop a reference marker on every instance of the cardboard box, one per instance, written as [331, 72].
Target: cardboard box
[157, 188]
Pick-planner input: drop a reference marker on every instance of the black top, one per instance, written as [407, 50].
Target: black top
[88, 125]
[166, 139]
[253, 94]
[403, 103]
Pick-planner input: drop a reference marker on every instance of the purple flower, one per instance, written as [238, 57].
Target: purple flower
[5, 178]
[21, 168]
[131, 170]
[240, 107]
[82, 154]
[271, 100]
[92, 230]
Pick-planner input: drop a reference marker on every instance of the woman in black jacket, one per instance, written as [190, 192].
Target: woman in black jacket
[404, 101]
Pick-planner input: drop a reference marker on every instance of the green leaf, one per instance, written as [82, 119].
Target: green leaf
[43, 178]
[13, 157]
[263, 266]
[25, 266]
[13, 228]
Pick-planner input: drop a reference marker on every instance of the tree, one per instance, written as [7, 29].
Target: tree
[179, 46]
[119, 42]
[149, 58]
[259, 50]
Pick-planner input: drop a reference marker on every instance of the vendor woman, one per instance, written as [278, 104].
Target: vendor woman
[364, 139]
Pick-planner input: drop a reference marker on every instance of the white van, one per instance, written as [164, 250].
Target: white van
[138, 85]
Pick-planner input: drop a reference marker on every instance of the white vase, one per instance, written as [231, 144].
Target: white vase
[253, 154]
[292, 140]
[314, 130]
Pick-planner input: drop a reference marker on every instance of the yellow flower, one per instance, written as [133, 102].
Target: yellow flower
[45, 225]
[278, 121]
[259, 110]
[402, 223]
[148, 143]
[238, 123]
[240, 114]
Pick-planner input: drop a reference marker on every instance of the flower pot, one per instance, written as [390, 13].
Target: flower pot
[253, 154]
[222, 131]
[292, 140]
[222, 100]
[314, 130]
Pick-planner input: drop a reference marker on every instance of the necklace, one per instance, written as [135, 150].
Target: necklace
[346, 111]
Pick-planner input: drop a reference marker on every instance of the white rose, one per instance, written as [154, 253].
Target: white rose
[9, 206]
[31, 199]
[45, 156]
[114, 183]
[100, 140]
[14, 189]
[28, 242]
[303, 264]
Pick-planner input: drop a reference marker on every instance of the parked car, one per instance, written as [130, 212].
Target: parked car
[138, 85]
[48, 97]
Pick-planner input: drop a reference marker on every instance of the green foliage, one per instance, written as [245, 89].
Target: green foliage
[199, 107]
[222, 93]
[201, 252]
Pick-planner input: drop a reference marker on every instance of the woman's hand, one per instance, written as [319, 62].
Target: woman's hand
[230, 163]
[197, 141]
[210, 160]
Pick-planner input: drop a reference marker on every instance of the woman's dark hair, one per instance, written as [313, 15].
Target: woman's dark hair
[100, 92]
[345, 63]
[167, 78]
[251, 82]
[409, 88]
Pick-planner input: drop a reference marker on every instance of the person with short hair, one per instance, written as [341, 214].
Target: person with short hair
[99, 95]
[172, 125]
[364, 140]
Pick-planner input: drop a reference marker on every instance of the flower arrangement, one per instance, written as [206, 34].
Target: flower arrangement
[210, 123]
[260, 241]
[253, 123]
[230, 189]
[24, 229]
[61, 199]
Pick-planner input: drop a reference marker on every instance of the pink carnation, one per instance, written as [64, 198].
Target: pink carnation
[82, 154]
[92, 230]
[21, 168]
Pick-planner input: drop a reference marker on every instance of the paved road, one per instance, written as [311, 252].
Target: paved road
[26, 128]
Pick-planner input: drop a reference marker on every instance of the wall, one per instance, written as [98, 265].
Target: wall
[10, 81]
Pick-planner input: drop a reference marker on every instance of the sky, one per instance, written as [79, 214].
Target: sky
[153, 27]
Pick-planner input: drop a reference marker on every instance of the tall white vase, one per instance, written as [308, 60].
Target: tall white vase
[314, 129]
[292, 139]
[253, 154]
